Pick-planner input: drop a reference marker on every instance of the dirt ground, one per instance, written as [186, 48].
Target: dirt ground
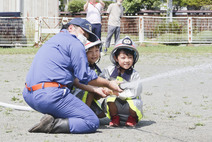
[177, 107]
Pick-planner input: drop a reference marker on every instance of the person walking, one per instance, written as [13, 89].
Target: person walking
[55, 66]
[93, 10]
[115, 11]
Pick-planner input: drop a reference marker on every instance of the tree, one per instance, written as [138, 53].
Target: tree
[133, 6]
[152, 4]
[191, 4]
[76, 6]
[61, 6]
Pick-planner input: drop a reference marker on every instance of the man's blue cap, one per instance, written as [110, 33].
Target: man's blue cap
[85, 25]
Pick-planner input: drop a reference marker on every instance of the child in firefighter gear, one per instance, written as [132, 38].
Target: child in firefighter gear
[57, 64]
[91, 99]
[127, 105]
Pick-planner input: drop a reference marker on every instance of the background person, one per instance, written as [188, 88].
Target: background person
[93, 10]
[127, 105]
[115, 11]
[57, 63]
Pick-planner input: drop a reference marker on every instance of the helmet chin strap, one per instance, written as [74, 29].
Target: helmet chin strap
[126, 70]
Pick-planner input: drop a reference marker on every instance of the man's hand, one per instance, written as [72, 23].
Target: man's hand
[101, 82]
[100, 91]
[114, 85]
[107, 91]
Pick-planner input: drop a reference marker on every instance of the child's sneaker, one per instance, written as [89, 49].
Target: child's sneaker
[115, 121]
[131, 121]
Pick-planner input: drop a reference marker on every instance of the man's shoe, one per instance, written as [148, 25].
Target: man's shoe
[115, 121]
[45, 125]
[131, 121]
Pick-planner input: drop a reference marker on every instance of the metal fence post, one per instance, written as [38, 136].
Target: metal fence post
[190, 30]
[37, 31]
[141, 29]
[36, 38]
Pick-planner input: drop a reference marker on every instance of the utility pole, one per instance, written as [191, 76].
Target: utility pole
[169, 10]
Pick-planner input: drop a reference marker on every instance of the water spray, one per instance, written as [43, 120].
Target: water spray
[131, 84]
[167, 74]
[17, 107]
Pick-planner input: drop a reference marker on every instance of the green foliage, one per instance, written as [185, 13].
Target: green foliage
[133, 6]
[62, 6]
[191, 4]
[76, 6]
[202, 35]
[152, 4]
[107, 3]
[175, 27]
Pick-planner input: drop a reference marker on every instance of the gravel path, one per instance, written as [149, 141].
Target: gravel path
[177, 106]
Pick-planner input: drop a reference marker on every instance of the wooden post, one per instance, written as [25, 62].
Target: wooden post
[190, 30]
[37, 37]
[141, 29]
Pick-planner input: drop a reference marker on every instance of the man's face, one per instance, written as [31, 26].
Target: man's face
[79, 30]
[76, 30]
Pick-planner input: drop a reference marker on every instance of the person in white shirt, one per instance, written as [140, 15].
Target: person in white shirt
[93, 10]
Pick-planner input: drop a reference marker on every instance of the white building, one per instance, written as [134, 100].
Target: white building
[31, 8]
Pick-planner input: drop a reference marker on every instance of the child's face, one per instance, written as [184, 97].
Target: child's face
[93, 54]
[125, 60]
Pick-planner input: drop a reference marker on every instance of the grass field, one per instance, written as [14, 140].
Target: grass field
[143, 48]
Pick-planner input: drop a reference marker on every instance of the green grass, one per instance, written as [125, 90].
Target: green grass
[160, 48]
[175, 49]
[24, 50]
[142, 48]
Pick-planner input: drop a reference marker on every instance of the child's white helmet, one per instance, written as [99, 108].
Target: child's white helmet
[125, 43]
[90, 44]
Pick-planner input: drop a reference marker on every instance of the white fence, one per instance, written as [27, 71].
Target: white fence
[175, 30]
[30, 31]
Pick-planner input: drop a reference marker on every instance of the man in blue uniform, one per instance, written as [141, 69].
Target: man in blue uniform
[57, 63]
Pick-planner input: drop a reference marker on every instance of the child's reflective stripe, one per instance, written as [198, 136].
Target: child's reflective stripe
[134, 108]
[96, 71]
[84, 98]
[109, 99]
[99, 105]
[119, 78]
[108, 113]
[73, 88]
[131, 103]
